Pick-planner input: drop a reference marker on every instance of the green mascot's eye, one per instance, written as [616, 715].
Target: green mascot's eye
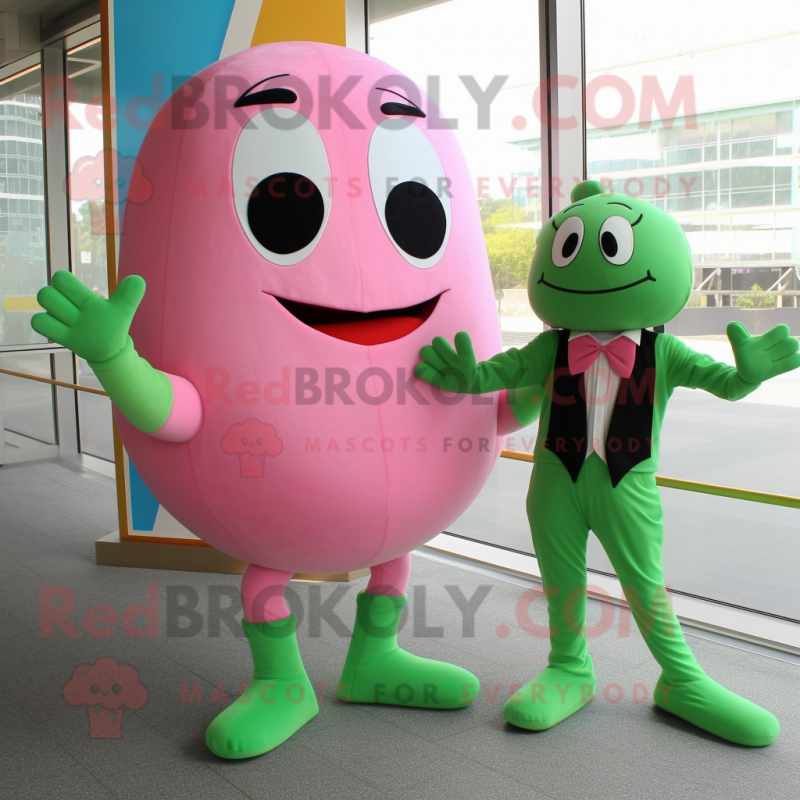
[616, 240]
[567, 243]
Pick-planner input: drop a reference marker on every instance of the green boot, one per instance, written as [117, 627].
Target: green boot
[718, 710]
[377, 670]
[278, 702]
[553, 695]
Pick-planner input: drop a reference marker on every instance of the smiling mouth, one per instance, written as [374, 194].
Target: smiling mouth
[648, 277]
[368, 328]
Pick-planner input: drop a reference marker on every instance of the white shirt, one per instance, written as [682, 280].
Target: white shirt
[602, 384]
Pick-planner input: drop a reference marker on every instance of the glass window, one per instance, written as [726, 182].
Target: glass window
[740, 150]
[762, 147]
[733, 225]
[23, 261]
[742, 225]
[94, 413]
[503, 150]
[85, 140]
[27, 406]
[504, 159]
[87, 227]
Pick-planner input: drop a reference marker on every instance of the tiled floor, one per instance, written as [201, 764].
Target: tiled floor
[50, 516]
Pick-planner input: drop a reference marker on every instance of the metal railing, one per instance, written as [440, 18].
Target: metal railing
[53, 382]
[695, 486]
[661, 480]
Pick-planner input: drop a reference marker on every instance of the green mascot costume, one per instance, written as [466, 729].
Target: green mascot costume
[607, 268]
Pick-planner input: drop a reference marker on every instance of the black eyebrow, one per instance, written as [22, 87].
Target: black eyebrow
[617, 203]
[276, 94]
[395, 109]
[568, 208]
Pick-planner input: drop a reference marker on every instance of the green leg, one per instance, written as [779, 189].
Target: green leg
[278, 701]
[628, 521]
[377, 670]
[560, 531]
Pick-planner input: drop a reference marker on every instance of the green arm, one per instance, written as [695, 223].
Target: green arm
[518, 369]
[758, 358]
[142, 393]
[526, 404]
[691, 369]
[97, 329]
[457, 371]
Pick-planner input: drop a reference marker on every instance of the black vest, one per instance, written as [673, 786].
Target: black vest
[630, 432]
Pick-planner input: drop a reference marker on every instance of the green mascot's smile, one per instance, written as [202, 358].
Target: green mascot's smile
[649, 277]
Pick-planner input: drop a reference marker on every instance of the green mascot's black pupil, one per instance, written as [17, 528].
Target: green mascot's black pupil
[569, 245]
[609, 244]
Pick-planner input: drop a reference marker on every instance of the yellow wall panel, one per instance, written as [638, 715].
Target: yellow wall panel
[21, 304]
[301, 20]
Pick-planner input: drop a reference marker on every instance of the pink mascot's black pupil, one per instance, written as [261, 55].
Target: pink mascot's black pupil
[609, 244]
[416, 219]
[285, 212]
[569, 245]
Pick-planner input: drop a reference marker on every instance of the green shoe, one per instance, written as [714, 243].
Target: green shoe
[278, 702]
[377, 670]
[715, 709]
[552, 696]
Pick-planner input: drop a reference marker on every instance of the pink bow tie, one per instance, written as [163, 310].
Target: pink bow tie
[583, 351]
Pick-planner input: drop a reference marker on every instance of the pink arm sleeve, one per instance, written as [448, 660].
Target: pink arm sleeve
[186, 415]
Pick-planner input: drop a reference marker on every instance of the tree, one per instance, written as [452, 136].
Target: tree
[488, 207]
[507, 215]
[510, 250]
[88, 236]
[757, 298]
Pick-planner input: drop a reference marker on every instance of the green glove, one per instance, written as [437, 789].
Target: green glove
[91, 326]
[451, 370]
[759, 358]
[97, 329]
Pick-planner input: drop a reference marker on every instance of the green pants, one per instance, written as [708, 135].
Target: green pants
[629, 522]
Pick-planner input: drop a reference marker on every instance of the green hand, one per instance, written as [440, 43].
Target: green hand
[759, 358]
[451, 370]
[91, 326]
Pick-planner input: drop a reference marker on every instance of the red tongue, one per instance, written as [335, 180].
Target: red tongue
[371, 331]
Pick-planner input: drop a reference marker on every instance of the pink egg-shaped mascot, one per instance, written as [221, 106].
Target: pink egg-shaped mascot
[303, 221]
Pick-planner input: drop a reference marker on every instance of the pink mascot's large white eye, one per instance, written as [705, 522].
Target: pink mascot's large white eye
[281, 185]
[411, 193]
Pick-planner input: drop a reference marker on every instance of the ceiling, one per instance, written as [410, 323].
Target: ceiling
[47, 10]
